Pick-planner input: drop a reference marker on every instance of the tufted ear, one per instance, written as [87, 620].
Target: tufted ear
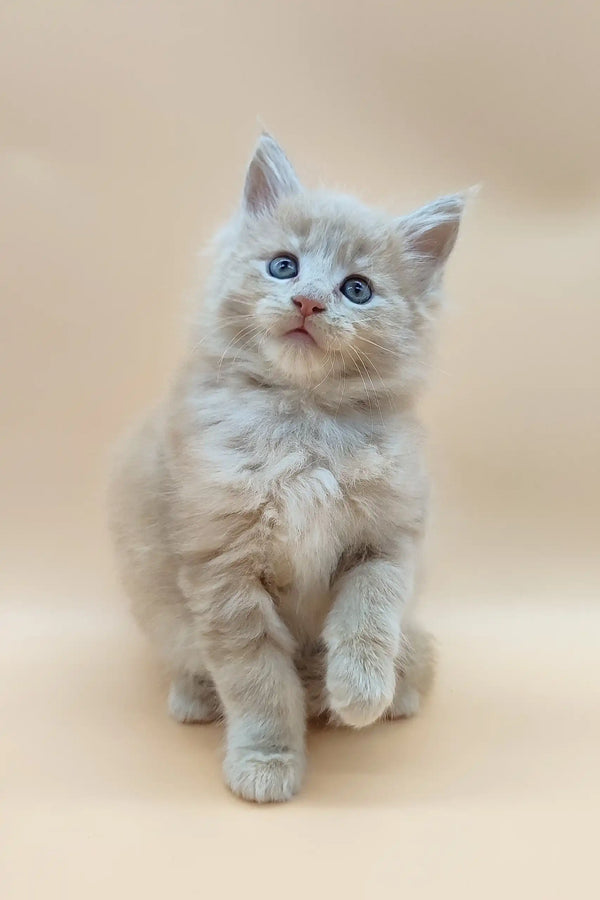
[270, 176]
[430, 233]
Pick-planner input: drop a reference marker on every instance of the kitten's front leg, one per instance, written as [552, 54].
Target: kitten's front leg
[362, 634]
[249, 653]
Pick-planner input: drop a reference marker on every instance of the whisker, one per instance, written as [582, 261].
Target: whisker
[339, 406]
[328, 373]
[352, 350]
[381, 379]
[385, 349]
[218, 327]
[232, 341]
[375, 394]
[246, 344]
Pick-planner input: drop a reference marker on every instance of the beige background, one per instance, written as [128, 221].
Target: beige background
[126, 128]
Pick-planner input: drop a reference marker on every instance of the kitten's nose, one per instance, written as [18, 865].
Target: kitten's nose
[308, 306]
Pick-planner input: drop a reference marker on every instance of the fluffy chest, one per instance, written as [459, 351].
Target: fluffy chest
[309, 496]
[315, 507]
[307, 522]
[308, 490]
[307, 519]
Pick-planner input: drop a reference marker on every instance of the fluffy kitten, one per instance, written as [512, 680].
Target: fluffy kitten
[267, 515]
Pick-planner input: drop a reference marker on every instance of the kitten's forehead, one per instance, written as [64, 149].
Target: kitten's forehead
[335, 227]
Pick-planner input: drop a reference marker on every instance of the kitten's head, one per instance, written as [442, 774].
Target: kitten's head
[314, 289]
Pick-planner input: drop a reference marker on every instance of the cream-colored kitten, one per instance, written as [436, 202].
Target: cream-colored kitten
[267, 515]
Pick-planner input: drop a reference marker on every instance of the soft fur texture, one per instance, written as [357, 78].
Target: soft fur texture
[267, 515]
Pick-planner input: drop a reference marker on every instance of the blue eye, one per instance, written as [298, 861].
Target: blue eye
[356, 289]
[283, 267]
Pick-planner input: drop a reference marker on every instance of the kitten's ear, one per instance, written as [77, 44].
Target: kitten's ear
[430, 233]
[270, 176]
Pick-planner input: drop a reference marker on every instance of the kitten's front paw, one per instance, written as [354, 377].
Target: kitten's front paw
[360, 685]
[264, 776]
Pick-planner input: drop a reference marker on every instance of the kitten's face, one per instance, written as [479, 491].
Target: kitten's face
[315, 289]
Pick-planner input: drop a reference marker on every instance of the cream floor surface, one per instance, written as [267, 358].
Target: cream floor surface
[493, 791]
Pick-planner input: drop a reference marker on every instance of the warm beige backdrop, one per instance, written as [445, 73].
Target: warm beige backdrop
[126, 127]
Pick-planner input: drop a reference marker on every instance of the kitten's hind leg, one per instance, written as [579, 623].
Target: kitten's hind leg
[415, 669]
[193, 698]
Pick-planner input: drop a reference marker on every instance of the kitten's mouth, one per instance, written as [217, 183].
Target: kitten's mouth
[301, 336]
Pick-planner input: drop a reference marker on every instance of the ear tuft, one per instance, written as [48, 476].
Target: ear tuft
[270, 177]
[430, 232]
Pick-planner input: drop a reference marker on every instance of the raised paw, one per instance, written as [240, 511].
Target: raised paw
[193, 698]
[264, 776]
[360, 685]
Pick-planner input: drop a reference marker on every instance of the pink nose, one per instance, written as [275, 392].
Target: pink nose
[307, 306]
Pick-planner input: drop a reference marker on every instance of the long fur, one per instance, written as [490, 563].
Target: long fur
[267, 515]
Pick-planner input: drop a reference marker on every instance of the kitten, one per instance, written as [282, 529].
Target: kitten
[268, 514]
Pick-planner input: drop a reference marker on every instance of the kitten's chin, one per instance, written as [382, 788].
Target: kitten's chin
[299, 336]
[297, 356]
